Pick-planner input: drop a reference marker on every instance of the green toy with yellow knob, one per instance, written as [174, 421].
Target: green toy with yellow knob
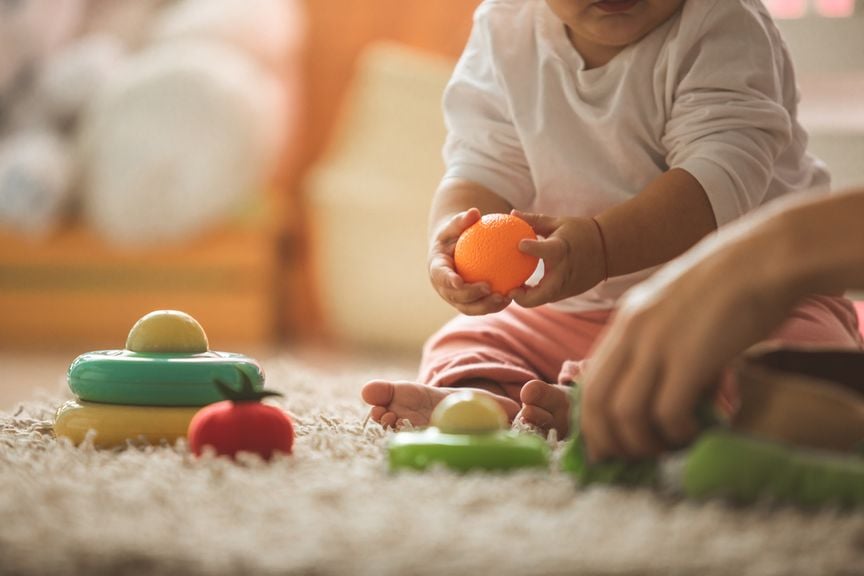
[468, 432]
[150, 390]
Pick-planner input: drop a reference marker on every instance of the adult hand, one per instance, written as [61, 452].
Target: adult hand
[572, 254]
[670, 341]
[473, 299]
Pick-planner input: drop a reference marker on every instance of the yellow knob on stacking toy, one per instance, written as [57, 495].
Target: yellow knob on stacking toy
[468, 413]
[167, 331]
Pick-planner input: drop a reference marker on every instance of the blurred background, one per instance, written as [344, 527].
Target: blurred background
[265, 165]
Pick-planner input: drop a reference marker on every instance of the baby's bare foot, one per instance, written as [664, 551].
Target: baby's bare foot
[546, 406]
[395, 401]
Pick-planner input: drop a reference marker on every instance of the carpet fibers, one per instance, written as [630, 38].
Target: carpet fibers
[332, 508]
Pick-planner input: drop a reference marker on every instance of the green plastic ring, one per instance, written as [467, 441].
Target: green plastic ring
[502, 450]
[132, 378]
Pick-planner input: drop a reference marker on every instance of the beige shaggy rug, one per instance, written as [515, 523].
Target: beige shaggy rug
[332, 508]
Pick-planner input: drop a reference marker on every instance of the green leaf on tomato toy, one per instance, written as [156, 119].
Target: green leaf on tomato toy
[247, 392]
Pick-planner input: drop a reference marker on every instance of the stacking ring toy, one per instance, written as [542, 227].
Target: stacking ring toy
[158, 379]
[150, 390]
[467, 432]
[116, 424]
[502, 450]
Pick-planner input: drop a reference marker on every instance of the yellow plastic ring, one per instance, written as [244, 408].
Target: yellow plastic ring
[115, 424]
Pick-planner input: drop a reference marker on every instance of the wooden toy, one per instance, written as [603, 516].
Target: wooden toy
[467, 432]
[151, 389]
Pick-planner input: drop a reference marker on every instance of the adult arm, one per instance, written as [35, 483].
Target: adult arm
[675, 333]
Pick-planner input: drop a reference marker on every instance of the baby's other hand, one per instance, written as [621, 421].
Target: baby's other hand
[572, 255]
[471, 299]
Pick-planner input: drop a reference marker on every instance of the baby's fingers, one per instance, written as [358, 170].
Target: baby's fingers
[542, 225]
[447, 282]
[467, 294]
[454, 227]
[550, 250]
[442, 274]
[475, 299]
[488, 305]
[546, 291]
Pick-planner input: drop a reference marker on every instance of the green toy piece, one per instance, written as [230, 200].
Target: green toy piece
[468, 431]
[575, 458]
[744, 469]
[724, 464]
[498, 450]
[731, 465]
[623, 472]
[158, 379]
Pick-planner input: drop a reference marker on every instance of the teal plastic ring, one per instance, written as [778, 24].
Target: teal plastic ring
[124, 377]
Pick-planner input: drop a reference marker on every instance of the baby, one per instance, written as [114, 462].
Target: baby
[623, 131]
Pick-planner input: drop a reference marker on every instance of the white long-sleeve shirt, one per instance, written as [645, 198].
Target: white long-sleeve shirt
[711, 91]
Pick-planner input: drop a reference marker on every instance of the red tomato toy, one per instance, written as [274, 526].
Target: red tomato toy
[241, 424]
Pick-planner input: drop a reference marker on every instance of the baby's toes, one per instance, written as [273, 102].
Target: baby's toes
[536, 416]
[378, 392]
[388, 419]
[377, 413]
[540, 394]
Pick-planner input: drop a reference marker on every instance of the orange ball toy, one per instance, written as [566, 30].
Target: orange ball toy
[488, 251]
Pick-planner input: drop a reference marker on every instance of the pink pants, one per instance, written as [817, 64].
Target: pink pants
[518, 344]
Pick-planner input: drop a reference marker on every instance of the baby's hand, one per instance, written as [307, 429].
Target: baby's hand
[572, 254]
[472, 299]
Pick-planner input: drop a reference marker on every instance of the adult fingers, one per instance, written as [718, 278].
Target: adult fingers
[594, 418]
[674, 406]
[607, 365]
[630, 408]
